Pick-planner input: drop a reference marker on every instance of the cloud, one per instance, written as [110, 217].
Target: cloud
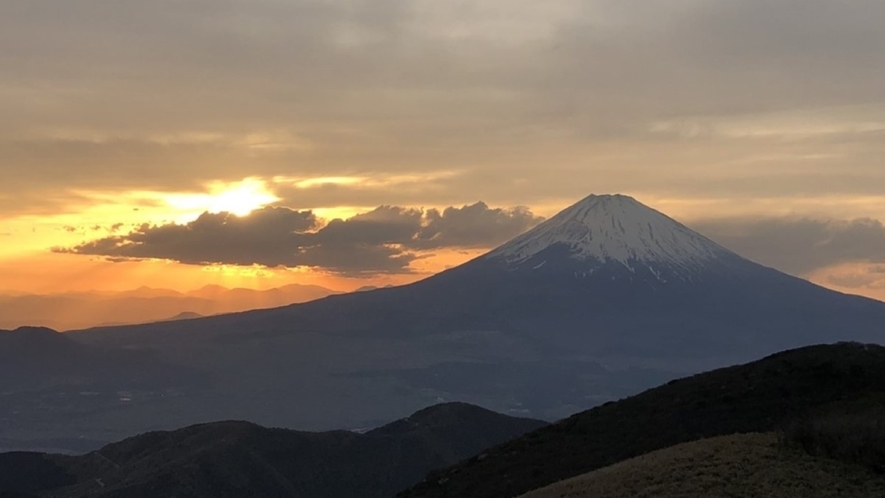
[800, 245]
[863, 278]
[383, 225]
[476, 225]
[549, 102]
[267, 237]
[385, 240]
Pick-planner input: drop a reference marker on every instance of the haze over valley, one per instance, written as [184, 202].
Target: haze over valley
[73, 310]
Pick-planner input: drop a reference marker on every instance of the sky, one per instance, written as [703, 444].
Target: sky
[257, 143]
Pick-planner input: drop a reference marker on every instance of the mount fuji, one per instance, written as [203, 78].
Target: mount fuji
[602, 300]
[614, 229]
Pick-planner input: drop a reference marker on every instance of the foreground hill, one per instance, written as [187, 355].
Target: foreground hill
[738, 465]
[239, 459]
[757, 397]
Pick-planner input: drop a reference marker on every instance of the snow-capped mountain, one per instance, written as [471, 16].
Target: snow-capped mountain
[614, 228]
[607, 275]
[605, 229]
[603, 299]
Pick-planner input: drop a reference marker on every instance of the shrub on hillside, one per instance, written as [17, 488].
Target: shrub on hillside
[853, 433]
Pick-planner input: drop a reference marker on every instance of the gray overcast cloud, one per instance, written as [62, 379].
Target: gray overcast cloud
[800, 246]
[563, 97]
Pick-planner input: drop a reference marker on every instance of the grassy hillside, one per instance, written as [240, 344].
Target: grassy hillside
[758, 397]
[243, 460]
[727, 466]
[852, 431]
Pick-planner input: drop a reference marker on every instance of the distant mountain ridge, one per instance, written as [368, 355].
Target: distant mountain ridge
[241, 460]
[71, 310]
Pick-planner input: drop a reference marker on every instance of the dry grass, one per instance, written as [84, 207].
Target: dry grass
[853, 432]
[750, 465]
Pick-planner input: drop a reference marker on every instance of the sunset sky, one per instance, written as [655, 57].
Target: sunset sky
[257, 143]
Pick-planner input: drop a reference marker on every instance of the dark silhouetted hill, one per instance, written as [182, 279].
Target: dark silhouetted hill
[239, 459]
[761, 396]
[852, 431]
[751, 465]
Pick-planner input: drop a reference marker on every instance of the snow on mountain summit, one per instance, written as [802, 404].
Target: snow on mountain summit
[607, 228]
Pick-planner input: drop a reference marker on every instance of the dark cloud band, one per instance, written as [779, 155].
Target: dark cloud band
[385, 240]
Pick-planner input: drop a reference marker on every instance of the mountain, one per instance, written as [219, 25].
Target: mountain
[762, 396]
[601, 301]
[37, 359]
[49, 382]
[240, 459]
[367, 288]
[185, 315]
[601, 231]
[608, 277]
[615, 279]
[141, 292]
[279, 296]
[756, 465]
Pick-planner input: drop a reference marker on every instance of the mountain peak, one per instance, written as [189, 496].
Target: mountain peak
[34, 332]
[617, 228]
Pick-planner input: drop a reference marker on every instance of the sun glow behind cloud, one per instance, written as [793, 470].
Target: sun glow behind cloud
[240, 198]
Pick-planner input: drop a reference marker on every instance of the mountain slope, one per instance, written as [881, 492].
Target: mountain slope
[740, 465]
[757, 397]
[239, 459]
[604, 300]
